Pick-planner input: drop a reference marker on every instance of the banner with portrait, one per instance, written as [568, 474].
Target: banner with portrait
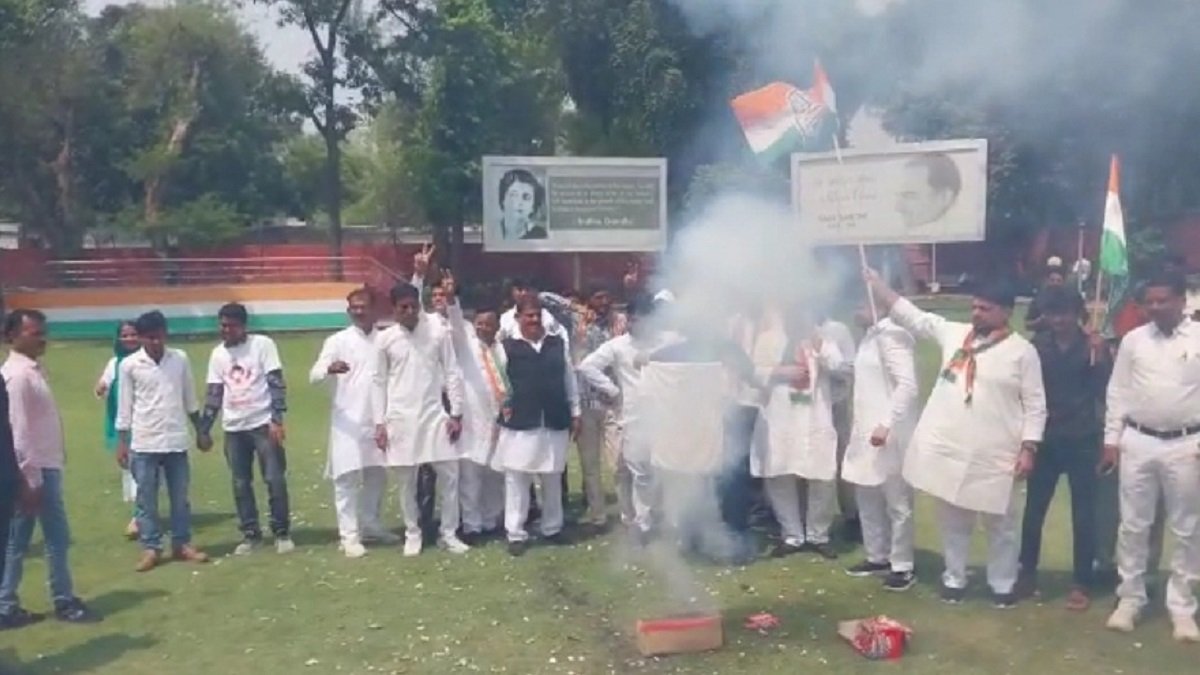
[916, 193]
[574, 204]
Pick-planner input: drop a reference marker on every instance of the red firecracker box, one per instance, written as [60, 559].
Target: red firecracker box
[679, 635]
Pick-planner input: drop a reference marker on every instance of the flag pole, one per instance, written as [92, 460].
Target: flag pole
[862, 250]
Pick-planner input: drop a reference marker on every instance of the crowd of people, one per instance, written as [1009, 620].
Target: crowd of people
[472, 420]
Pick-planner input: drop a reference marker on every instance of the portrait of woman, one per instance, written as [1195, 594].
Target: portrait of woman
[522, 206]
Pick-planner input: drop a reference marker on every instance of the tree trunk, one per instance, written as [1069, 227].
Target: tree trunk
[64, 183]
[333, 174]
[156, 184]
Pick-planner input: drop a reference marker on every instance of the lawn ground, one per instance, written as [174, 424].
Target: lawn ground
[554, 611]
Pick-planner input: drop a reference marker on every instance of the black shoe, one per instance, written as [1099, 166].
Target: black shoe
[557, 539]
[19, 618]
[899, 581]
[471, 539]
[74, 611]
[953, 596]
[852, 530]
[1004, 600]
[867, 568]
[517, 548]
[825, 551]
[784, 549]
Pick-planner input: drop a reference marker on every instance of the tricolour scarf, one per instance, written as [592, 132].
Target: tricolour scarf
[110, 403]
[964, 358]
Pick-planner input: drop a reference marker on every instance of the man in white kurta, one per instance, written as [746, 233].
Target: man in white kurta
[347, 362]
[979, 431]
[625, 357]
[885, 413]
[481, 488]
[416, 365]
[1151, 430]
[795, 438]
[841, 392]
[537, 421]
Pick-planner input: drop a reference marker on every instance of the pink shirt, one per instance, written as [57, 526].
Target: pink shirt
[36, 424]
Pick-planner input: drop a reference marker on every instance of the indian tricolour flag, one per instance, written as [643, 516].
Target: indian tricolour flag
[1114, 253]
[780, 118]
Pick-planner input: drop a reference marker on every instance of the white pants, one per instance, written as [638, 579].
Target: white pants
[481, 490]
[598, 444]
[1149, 468]
[371, 501]
[1004, 547]
[635, 493]
[128, 486]
[886, 513]
[447, 493]
[811, 524]
[516, 503]
[348, 493]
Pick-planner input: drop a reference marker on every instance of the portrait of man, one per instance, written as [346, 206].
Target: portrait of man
[929, 186]
[522, 206]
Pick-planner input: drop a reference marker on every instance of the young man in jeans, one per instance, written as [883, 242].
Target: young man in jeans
[38, 440]
[155, 402]
[246, 387]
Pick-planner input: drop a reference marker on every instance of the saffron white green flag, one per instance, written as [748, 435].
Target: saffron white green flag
[1114, 254]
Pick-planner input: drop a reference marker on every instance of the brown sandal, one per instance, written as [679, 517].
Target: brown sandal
[1078, 600]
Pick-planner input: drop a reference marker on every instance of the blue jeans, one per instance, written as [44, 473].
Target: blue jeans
[241, 448]
[57, 536]
[174, 466]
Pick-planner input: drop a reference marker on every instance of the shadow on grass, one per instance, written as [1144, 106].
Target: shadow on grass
[86, 657]
[115, 602]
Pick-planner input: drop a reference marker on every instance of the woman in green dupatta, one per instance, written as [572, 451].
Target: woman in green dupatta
[107, 388]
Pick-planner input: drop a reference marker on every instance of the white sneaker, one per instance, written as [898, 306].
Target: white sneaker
[1185, 628]
[382, 537]
[1124, 617]
[284, 545]
[453, 544]
[246, 547]
[412, 546]
[353, 549]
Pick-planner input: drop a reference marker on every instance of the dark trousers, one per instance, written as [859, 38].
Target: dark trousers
[8, 504]
[735, 485]
[241, 448]
[1077, 459]
[426, 499]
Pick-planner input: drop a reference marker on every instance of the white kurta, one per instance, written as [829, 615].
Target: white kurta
[885, 395]
[538, 450]
[791, 438]
[682, 415]
[481, 405]
[965, 453]
[351, 424]
[415, 368]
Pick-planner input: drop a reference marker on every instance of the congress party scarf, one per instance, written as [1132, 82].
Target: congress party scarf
[963, 360]
[802, 388]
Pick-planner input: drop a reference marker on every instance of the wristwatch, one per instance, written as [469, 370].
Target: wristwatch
[1030, 447]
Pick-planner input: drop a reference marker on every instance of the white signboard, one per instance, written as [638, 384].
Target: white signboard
[917, 193]
[574, 204]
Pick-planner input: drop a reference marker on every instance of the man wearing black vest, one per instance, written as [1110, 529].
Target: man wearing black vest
[537, 423]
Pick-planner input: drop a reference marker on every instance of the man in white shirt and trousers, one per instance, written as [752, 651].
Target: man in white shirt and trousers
[537, 421]
[841, 395]
[412, 426]
[1152, 431]
[481, 488]
[795, 438]
[885, 413]
[625, 357]
[347, 361]
[979, 432]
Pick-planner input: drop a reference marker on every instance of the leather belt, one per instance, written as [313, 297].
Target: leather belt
[1161, 435]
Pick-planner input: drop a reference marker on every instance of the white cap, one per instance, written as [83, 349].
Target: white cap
[1054, 261]
[664, 296]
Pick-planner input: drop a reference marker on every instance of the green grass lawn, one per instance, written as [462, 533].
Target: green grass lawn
[553, 611]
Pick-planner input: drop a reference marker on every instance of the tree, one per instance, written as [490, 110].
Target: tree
[327, 23]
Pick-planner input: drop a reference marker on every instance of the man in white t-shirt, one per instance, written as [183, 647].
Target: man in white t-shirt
[246, 387]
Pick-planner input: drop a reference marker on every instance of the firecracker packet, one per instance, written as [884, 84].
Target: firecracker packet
[877, 638]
